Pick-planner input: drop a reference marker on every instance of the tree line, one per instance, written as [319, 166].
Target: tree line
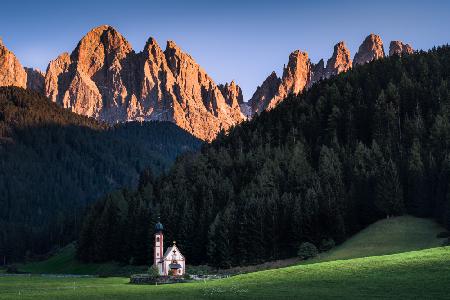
[370, 143]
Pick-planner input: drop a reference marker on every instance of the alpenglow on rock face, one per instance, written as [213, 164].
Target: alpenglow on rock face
[296, 76]
[301, 73]
[11, 71]
[104, 78]
[370, 49]
[399, 48]
[339, 62]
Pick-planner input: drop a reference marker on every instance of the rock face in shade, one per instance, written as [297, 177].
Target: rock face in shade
[399, 48]
[11, 71]
[264, 93]
[371, 49]
[232, 93]
[318, 72]
[35, 79]
[104, 78]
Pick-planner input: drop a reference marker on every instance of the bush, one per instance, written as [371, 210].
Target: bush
[326, 244]
[153, 272]
[307, 250]
[12, 269]
[446, 242]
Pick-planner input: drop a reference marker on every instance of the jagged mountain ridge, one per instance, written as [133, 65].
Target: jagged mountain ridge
[106, 79]
[274, 89]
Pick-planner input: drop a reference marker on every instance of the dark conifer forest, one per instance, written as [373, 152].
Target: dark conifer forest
[367, 144]
[54, 162]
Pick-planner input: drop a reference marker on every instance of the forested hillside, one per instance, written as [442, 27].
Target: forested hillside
[54, 162]
[369, 143]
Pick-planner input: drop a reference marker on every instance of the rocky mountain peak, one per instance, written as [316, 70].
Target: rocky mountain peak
[104, 78]
[101, 46]
[150, 44]
[11, 71]
[399, 48]
[232, 93]
[175, 56]
[370, 49]
[56, 77]
[296, 74]
[264, 93]
[340, 61]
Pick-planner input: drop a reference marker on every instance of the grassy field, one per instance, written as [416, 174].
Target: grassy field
[388, 236]
[421, 274]
[340, 273]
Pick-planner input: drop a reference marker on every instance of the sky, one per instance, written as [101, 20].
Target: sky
[232, 40]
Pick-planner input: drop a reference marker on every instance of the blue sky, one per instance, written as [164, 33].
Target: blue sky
[240, 40]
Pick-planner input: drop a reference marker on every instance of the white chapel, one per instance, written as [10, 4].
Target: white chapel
[170, 261]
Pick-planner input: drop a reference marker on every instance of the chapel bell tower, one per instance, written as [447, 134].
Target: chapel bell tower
[159, 248]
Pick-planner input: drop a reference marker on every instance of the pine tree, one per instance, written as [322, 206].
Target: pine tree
[332, 196]
[389, 195]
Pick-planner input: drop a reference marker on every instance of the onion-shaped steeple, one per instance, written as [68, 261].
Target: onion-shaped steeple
[159, 227]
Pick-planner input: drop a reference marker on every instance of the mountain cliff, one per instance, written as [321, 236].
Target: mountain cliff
[264, 93]
[104, 78]
[11, 71]
[301, 73]
[370, 49]
[399, 48]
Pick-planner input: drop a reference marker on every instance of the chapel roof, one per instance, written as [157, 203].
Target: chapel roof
[170, 249]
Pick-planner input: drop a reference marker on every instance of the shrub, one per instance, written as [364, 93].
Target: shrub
[326, 244]
[171, 273]
[153, 272]
[307, 250]
[12, 269]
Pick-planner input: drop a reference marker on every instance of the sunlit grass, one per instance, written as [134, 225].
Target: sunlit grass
[421, 274]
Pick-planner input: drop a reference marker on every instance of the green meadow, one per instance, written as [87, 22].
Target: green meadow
[423, 274]
[341, 273]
